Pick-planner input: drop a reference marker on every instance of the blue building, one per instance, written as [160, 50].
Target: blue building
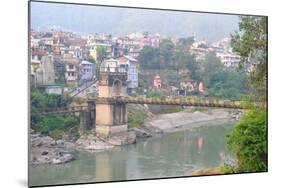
[132, 66]
[87, 71]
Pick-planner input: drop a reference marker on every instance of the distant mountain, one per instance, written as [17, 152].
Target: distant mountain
[122, 21]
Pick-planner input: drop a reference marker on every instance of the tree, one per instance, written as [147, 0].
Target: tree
[166, 48]
[178, 60]
[248, 141]
[47, 124]
[183, 59]
[149, 57]
[101, 53]
[185, 43]
[220, 81]
[251, 43]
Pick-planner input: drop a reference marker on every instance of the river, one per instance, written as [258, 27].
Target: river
[168, 155]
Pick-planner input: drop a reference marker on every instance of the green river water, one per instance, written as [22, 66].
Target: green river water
[168, 155]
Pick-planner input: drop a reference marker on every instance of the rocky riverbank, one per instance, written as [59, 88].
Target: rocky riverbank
[46, 150]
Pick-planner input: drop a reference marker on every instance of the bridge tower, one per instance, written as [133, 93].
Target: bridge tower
[111, 117]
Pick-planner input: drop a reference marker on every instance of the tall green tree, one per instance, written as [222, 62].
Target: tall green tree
[183, 59]
[102, 53]
[248, 139]
[220, 81]
[166, 48]
[251, 43]
[149, 57]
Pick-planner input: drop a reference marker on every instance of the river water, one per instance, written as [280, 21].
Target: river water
[168, 155]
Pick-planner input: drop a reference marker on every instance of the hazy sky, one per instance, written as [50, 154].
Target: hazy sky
[122, 21]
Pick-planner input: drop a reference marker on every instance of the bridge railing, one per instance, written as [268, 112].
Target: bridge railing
[184, 101]
[60, 110]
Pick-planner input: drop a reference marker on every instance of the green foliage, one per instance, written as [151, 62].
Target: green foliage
[136, 118]
[101, 53]
[48, 124]
[56, 134]
[149, 57]
[222, 82]
[168, 60]
[183, 59]
[140, 90]
[51, 125]
[37, 100]
[169, 56]
[251, 43]
[248, 141]
[185, 43]
[43, 100]
[155, 94]
[166, 50]
[227, 169]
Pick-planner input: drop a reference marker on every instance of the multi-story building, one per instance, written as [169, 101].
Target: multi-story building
[93, 49]
[229, 59]
[110, 65]
[71, 74]
[87, 71]
[132, 72]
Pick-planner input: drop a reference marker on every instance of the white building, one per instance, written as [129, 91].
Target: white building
[71, 74]
[229, 59]
[109, 65]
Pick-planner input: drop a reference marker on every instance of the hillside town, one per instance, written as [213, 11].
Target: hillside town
[67, 62]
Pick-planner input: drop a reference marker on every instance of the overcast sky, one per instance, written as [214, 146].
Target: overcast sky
[122, 21]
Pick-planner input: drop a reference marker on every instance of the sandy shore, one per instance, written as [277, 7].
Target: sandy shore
[185, 120]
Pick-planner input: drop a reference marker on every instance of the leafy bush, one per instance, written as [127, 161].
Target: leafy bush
[47, 124]
[56, 134]
[43, 100]
[136, 117]
[53, 125]
[248, 141]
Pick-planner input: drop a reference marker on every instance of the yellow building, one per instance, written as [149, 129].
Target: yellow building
[94, 46]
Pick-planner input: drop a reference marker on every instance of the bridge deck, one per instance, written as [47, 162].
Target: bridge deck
[63, 110]
[199, 102]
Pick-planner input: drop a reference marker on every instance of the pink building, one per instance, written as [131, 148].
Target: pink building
[152, 41]
[157, 83]
[201, 88]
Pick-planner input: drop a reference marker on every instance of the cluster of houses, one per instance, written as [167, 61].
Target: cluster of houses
[66, 62]
[221, 48]
[129, 45]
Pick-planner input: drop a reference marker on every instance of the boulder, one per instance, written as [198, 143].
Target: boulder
[60, 142]
[44, 153]
[140, 133]
[122, 138]
[91, 142]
